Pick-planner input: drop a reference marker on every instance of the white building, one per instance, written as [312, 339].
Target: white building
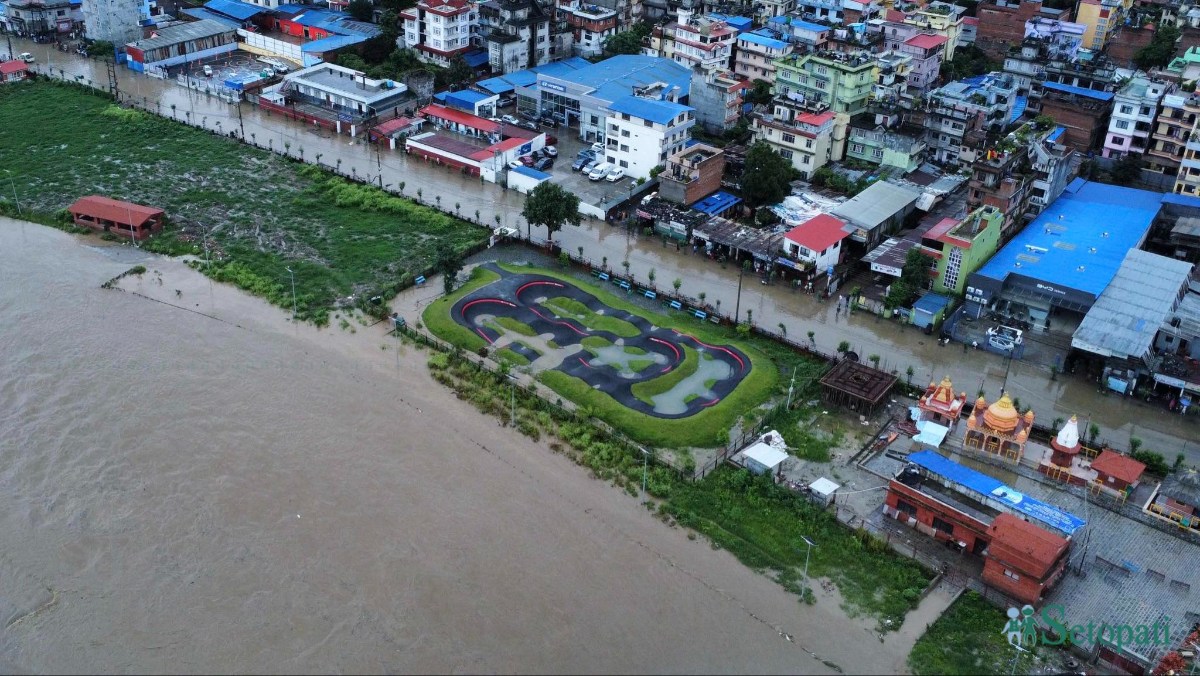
[643, 133]
[516, 34]
[703, 41]
[349, 93]
[439, 30]
[117, 21]
[1133, 113]
[816, 242]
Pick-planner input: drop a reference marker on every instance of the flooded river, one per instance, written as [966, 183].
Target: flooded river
[190, 483]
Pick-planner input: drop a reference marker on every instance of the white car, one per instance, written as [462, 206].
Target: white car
[1001, 343]
[550, 151]
[598, 148]
[208, 71]
[509, 119]
[26, 57]
[515, 164]
[1015, 335]
[600, 171]
[615, 175]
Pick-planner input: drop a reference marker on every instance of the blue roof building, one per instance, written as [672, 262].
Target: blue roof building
[1066, 257]
[659, 112]
[241, 11]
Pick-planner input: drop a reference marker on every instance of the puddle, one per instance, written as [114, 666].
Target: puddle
[616, 357]
[675, 400]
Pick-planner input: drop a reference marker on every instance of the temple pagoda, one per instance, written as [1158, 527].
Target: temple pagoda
[940, 405]
[998, 429]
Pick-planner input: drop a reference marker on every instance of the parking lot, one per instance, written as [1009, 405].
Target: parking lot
[235, 65]
[591, 192]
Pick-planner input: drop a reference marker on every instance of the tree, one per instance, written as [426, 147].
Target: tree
[1127, 170]
[551, 207]
[628, 42]
[760, 93]
[766, 177]
[913, 277]
[1161, 49]
[843, 347]
[352, 61]
[360, 10]
[449, 262]
[101, 48]
[459, 71]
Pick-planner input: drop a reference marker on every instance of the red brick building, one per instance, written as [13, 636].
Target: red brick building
[1084, 114]
[938, 513]
[1126, 41]
[1117, 471]
[1024, 560]
[127, 219]
[1002, 25]
[692, 174]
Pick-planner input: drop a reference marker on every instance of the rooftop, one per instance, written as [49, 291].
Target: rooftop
[716, 203]
[658, 112]
[1078, 91]
[1080, 240]
[173, 35]
[616, 77]
[879, 202]
[798, 24]
[1121, 467]
[1139, 299]
[1036, 543]
[764, 38]
[926, 41]
[234, 9]
[346, 81]
[818, 233]
[459, 117]
[859, 381]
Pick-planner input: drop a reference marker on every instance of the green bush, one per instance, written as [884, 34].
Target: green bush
[968, 639]
[1155, 463]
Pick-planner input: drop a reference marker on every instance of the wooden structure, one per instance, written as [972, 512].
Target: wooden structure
[940, 405]
[856, 386]
[126, 219]
[998, 429]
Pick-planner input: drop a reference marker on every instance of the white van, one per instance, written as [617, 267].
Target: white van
[599, 171]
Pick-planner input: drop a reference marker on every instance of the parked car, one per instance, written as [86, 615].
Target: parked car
[597, 147]
[495, 119]
[551, 151]
[527, 160]
[1015, 335]
[514, 164]
[587, 168]
[1001, 343]
[26, 57]
[544, 164]
[551, 140]
[615, 175]
[599, 171]
[208, 71]
[581, 161]
[509, 119]
[528, 125]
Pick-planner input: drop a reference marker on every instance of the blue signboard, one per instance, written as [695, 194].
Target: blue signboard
[553, 87]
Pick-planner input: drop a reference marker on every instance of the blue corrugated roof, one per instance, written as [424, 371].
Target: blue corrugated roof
[463, 100]
[1182, 200]
[1056, 134]
[292, 8]
[716, 203]
[233, 8]
[317, 17]
[1018, 109]
[799, 23]
[932, 303]
[476, 59]
[660, 112]
[758, 38]
[201, 13]
[738, 23]
[1080, 240]
[616, 77]
[531, 173]
[332, 42]
[1048, 514]
[1080, 91]
[496, 85]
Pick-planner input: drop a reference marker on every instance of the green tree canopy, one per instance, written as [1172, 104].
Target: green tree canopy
[459, 71]
[760, 93]
[1161, 49]
[766, 177]
[628, 42]
[913, 277]
[551, 206]
[361, 10]
[1127, 170]
[449, 262]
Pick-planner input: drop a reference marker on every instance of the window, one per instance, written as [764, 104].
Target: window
[789, 138]
[1009, 574]
[806, 159]
[943, 525]
[905, 508]
[595, 120]
[625, 133]
[624, 148]
[856, 147]
[1122, 124]
[953, 267]
[785, 154]
[1126, 110]
[877, 153]
[623, 164]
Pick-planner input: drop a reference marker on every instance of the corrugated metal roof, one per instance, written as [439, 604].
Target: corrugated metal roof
[659, 112]
[1125, 318]
[331, 43]
[173, 35]
[764, 40]
[1079, 91]
[233, 8]
[879, 202]
[201, 13]
[531, 173]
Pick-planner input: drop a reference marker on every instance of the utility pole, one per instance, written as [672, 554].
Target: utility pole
[791, 386]
[737, 316]
[241, 122]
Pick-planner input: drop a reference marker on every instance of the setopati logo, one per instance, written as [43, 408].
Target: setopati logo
[1023, 631]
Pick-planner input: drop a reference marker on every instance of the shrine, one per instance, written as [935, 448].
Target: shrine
[940, 405]
[998, 429]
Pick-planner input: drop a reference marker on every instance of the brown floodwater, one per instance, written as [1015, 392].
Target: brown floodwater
[190, 483]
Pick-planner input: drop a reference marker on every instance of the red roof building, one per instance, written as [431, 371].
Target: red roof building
[817, 241]
[1023, 560]
[13, 71]
[926, 41]
[121, 218]
[1117, 471]
[457, 120]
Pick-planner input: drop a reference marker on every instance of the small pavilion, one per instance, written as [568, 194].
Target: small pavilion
[940, 405]
[999, 429]
[856, 386]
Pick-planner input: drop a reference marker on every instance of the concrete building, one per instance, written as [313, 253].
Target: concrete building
[1024, 560]
[695, 41]
[182, 43]
[1002, 25]
[842, 82]
[643, 132]
[891, 80]
[1187, 181]
[591, 23]
[983, 103]
[756, 55]
[926, 50]
[877, 212]
[692, 174]
[970, 31]
[962, 247]
[716, 96]
[44, 16]
[1102, 17]
[888, 148]
[1172, 129]
[439, 30]
[941, 18]
[798, 133]
[1135, 108]
[341, 91]
[14, 71]
[816, 243]
[1004, 176]
[516, 34]
[1053, 165]
[117, 21]
[1083, 112]
[805, 35]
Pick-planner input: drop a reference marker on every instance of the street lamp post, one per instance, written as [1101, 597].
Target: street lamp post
[293, 276]
[807, 552]
[512, 400]
[737, 317]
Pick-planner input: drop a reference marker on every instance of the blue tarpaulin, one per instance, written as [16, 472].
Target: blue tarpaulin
[717, 203]
[991, 491]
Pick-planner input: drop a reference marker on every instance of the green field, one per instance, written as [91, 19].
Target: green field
[968, 639]
[262, 212]
[569, 308]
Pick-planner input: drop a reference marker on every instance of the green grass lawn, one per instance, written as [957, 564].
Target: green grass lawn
[968, 639]
[515, 326]
[646, 390]
[569, 308]
[263, 213]
[437, 319]
[513, 358]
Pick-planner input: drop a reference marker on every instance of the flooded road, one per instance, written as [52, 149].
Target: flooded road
[899, 348]
[188, 482]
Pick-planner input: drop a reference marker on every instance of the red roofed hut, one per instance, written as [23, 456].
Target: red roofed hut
[1117, 471]
[1023, 560]
[127, 219]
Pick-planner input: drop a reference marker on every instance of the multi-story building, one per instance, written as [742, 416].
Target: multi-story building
[765, 10]
[439, 30]
[716, 96]
[1134, 108]
[44, 16]
[1022, 174]
[692, 174]
[1171, 131]
[642, 133]
[1083, 112]
[842, 82]
[942, 18]
[894, 33]
[1053, 170]
[1187, 182]
[820, 10]
[516, 33]
[1002, 25]
[590, 23]
[116, 21]
[757, 52]
[890, 149]
[955, 110]
[799, 133]
[805, 35]
[337, 89]
[1102, 18]
[855, 40]
[962, 247]
[692, 41]
[926, 51]
[891, 80]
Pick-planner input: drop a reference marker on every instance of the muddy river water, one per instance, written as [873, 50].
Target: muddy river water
[190, 483]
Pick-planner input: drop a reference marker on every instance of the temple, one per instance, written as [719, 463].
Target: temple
[940, 405]
[999, 429]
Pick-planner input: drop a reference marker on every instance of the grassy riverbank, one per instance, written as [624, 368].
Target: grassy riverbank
[969, 639]
[261, 213]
